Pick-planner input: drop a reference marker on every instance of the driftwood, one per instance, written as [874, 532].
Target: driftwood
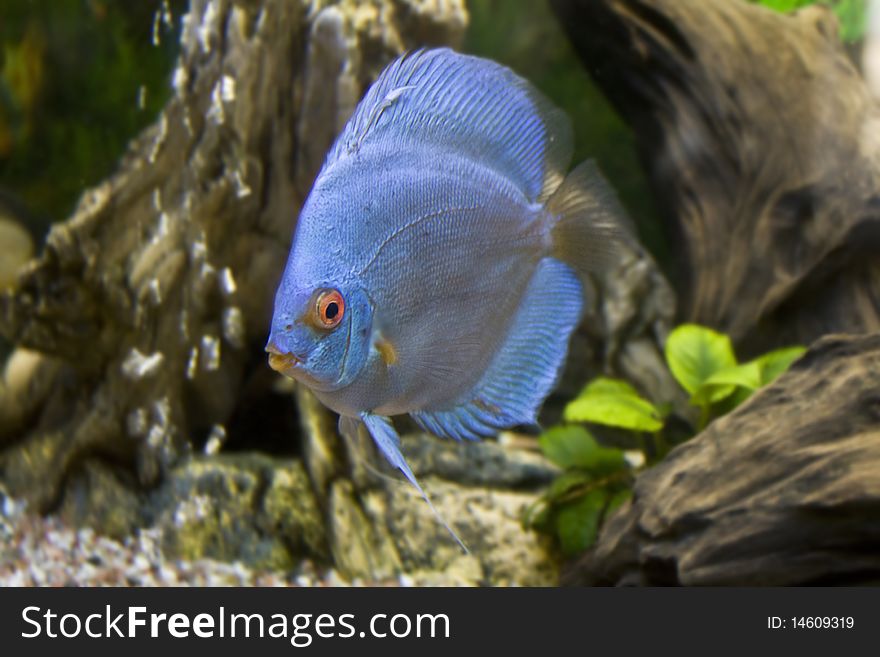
[784, 491]
[760, 140]
[140, 329]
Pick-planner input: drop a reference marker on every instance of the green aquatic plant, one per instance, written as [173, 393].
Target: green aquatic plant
[595, 478]
[703, 363]
[852, 14]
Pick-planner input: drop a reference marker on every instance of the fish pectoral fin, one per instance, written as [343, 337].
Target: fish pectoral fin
[387, 351]
[388, 442]
[527, 365]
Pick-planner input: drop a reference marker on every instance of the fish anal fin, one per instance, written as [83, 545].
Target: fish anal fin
[526, 367]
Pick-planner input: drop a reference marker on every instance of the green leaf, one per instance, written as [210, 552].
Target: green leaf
[694, 353]
[607, 385]
[747, 375]
[574, 447]
[708, 394]
[577, 523]
[566, 445]
[616, 500]
[774, 363]
[537, 516]
[614, 403]
[785, 6]
[851, 14]
[729, 403]
[569, 482]
[745, 379]
[724, 382]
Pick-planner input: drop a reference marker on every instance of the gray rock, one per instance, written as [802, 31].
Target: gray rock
[246, 508]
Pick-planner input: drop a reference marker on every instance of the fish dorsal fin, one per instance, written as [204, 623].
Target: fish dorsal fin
[388, 442]
[467, 105]
[527, 366]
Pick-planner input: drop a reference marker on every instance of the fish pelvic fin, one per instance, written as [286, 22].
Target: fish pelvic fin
[590, 223]
[388, 442]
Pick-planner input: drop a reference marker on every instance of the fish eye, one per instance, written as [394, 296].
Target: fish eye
[329, 308]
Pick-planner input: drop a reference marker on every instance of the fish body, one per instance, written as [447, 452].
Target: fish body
[437, 263]
[436, 304]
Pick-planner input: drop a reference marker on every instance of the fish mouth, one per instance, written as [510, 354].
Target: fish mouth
[281, 361]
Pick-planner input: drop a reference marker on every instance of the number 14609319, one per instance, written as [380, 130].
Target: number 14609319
[810, 623]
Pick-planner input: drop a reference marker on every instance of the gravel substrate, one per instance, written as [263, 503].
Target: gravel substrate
[43, 551]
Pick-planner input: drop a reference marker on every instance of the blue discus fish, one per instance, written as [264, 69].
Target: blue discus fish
[436, 264]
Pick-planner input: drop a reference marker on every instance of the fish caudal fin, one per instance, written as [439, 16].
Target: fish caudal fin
[388, 442]
[590, 223]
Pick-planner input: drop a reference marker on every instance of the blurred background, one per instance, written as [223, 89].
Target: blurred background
[80, 78]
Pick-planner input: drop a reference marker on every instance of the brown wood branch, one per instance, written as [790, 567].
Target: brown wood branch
[759, 138]
[150, 304]
[783, 491]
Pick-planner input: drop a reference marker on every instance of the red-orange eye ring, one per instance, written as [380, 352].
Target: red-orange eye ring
[329, 309]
